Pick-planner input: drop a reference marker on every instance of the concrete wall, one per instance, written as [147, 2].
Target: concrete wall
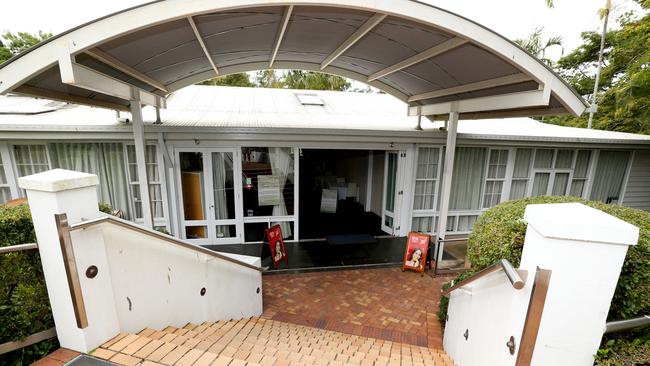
[584, 249]
[157, 284]
[143, 280]
[637, 191]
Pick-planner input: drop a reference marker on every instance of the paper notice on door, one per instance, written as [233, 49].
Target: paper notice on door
[268, 190]
[328, 201]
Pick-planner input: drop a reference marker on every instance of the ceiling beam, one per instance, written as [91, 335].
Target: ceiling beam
[111, 61]
[354, 38]
[84, 77]
[35, 92]
[465, 88]
[280, 34]
[199, 38]
[431, 52]
[525, 99]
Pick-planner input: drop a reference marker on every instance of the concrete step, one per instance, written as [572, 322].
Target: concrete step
[258, 341]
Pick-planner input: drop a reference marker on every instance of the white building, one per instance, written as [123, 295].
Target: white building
[223, 163]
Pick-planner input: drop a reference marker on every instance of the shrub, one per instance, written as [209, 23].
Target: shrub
[500, 233]
[24, 304]
[625, 350]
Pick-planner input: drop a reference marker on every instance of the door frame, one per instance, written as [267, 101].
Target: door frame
[210, 222]
[399, 192]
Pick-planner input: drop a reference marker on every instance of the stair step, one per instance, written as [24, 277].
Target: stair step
[257, 341]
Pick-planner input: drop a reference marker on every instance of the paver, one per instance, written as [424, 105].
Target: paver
[259, 341]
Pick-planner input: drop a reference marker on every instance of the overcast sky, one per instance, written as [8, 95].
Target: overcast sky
[511, 18]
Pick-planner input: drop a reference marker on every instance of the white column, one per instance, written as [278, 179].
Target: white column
[445, 189]
[75, 194]
[138, 138]
[585, 249]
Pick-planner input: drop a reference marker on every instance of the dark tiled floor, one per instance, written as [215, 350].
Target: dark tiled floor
[307, 255]
[383, 303]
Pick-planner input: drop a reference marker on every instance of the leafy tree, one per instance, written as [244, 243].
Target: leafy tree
[624, 89]
[268, 79]
[296, 79]
[239, 79]
[537, 46]
[12, 44]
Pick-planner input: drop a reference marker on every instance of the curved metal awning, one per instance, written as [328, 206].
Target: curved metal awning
[434, 60]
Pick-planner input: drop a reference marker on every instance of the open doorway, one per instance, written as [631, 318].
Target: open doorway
[341, 193]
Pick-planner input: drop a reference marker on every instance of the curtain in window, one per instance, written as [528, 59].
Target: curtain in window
[106, 160]
[610, 173]
[221, 166]
[467, 179]
[281, 165]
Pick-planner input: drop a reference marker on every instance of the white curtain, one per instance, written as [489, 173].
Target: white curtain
[219, 163]
[467, 178]
[610, 173]
[106, 160]
[282, 166]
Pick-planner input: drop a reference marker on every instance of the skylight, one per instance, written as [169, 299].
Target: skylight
[310, 99]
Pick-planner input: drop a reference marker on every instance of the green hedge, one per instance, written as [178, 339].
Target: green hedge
[24, 304]
[632, 348]
[500, 233]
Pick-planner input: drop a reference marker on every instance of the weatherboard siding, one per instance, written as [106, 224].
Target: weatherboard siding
[637, 191]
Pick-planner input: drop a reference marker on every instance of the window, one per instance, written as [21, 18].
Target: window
[106, 160]
[467, 178]
[610, 173]
[427, 175]
[154, 178]
[496, 174]
[580, 173]
[30, 159]
[552, 172]
[5, 191]
[426, 178]
[557, 172]
[521, 173]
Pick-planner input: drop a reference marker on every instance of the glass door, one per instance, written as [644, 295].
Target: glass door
[389, 217]
[210, 206]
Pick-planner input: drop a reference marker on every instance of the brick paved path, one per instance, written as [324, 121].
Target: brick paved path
[380, 303]
[257, 341]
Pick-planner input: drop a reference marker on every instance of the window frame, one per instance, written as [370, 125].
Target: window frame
[15, 165]
[162, 182]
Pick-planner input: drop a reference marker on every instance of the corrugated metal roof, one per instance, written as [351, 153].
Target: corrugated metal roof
[234, 107]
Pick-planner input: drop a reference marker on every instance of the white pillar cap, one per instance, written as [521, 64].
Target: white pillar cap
[575, 221]
[58, 180]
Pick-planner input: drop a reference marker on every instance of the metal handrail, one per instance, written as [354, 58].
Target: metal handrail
[513, 275]
[627, 324]
[153, 233]
[18, 248]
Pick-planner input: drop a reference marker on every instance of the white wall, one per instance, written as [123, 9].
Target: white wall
[637, 191]
[156, 284]
[143, 280]
[584, 249]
